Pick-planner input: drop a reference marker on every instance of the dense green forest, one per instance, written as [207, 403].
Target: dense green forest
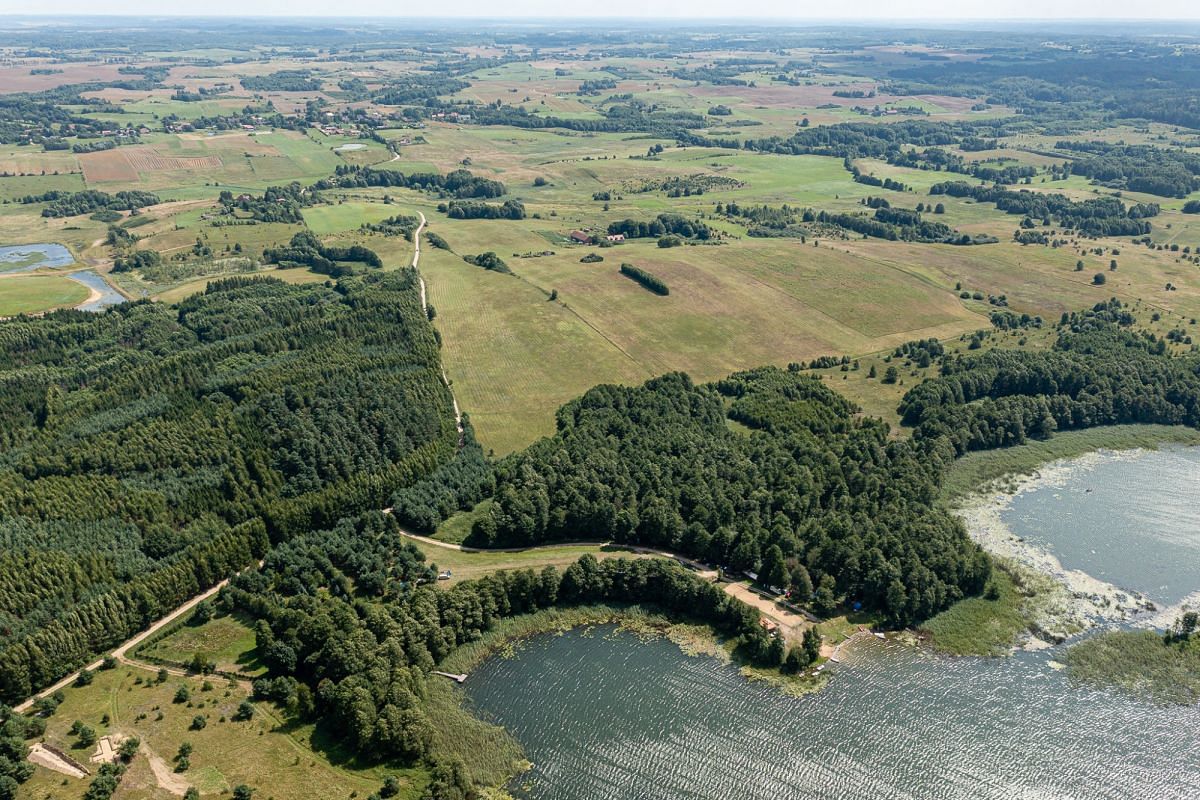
[814, 489]
[152, 450]
[816, 497]
[1098, 373]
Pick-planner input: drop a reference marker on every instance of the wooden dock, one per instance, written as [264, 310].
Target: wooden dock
[456, 678]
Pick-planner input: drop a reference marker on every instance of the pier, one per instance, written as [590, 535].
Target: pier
[456, 678]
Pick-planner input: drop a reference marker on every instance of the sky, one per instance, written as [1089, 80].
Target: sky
[794, 10]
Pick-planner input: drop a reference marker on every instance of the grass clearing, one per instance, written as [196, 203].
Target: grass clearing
[326, 219]
[227, 642]
[276, 758]
[473, 564]
[32, 294]
[456, 529]
[991, 624]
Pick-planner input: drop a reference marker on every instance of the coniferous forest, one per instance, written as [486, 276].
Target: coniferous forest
[153, 450]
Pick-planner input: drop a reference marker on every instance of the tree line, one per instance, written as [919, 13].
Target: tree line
[458, 183]
[1098, 216]
[648, 281]
[662, 225]
[1098, 373]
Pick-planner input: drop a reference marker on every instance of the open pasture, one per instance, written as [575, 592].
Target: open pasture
[33, 294]
[274, 757]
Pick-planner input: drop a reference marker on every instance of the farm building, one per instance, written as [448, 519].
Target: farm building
[581, 237]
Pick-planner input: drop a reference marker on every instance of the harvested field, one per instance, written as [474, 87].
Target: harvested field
[109, 166]
[21, 79]
[145, 159]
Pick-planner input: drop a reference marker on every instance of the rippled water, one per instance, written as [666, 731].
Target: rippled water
[606, 716]
[1133, 521]
[27, 257]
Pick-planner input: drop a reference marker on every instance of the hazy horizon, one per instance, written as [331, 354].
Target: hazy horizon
[868, 11]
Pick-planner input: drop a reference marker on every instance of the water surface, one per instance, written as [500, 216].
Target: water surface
[606, 716]
[28, 257]
[609, 717]
[108, 295]
[1132, 520]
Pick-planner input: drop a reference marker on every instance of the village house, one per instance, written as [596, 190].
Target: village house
[581, 237]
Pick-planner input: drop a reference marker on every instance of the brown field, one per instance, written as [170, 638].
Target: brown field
[18, 78]
[109, 166]
[799, 97]
[144, 159]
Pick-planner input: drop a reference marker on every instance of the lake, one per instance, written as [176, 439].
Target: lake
[28, 257]
[1126, 518]
[606, 715]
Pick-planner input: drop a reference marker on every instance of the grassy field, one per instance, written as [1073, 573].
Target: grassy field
[278, 760]
[30, 294]
[468, 565]
[515, 355]
[328, 219]
[226, 642]
[988, 625]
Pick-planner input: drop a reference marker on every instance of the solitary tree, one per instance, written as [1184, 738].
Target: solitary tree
[812, 644]
[87, 736]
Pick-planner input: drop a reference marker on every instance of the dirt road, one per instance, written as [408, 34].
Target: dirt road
[416, 260]
[120, 652]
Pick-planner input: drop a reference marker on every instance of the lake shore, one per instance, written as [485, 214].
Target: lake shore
[1084, 600]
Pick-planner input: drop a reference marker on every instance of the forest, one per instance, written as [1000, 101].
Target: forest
[70, 204]
[657, 465]
[1100, 372]
[151, 451]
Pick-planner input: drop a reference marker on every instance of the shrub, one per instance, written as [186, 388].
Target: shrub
[645, 279]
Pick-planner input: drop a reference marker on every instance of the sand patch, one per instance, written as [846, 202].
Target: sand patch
[167, 778]
[54, 759]
[106, 749]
